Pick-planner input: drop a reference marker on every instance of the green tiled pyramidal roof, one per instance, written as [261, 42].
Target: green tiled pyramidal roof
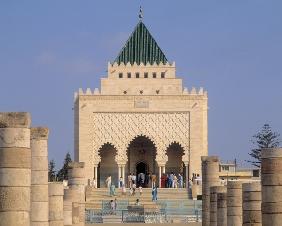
[141, 47]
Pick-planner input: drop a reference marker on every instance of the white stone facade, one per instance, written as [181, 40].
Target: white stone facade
[150, 102]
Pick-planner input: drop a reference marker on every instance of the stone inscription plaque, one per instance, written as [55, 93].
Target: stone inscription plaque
[141, 104]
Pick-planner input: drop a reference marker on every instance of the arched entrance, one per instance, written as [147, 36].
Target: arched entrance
[175, 164]
[141, 153]
[107, 165]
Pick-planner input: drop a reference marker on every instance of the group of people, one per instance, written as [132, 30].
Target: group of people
[141, 180]
[132, 184]
[172, 181]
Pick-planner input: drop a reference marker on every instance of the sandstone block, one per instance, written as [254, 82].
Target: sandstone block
[15, 177]
[14, 218]
[39, 133]
[39, 177]
[39, 211]
[14, 137]
[15, 198]
[15, 158]
[15, 120]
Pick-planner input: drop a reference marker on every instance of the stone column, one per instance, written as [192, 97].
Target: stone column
[95, 175]
[74, 197]
[213, 203]
[160, 175]
[210, 177]
[39, 176]
[186, 174]
[123, 174]
[222, 209]
[119, 174]
[234, 203]
[56, 205]
[163, 170]
[15, 169]
[251, 204]
[271, 179]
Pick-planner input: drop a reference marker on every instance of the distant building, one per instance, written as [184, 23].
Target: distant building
[230, 171]
[142, 119]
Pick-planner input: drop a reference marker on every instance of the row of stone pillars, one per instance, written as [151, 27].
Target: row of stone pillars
[249, 204]
[26, 197]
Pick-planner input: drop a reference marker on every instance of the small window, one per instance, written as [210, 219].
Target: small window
[154, 75]
[120, 75]
[129, 75]
[146, 75]
[157, 91]
[124, 92]
[141, 91]
[163, 75]
[137, 74]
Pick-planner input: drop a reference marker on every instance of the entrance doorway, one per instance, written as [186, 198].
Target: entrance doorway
[141, 167]
[141, 172]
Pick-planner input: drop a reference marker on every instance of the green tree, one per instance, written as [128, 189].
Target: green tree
[265, 138]
[63, 173]
[51, 171]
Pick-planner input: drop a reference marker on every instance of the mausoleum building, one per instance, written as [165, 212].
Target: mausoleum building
[141, 119]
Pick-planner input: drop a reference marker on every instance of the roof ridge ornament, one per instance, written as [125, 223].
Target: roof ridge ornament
[140, 13]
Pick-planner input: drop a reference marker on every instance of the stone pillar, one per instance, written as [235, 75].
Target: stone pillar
[56, 205]
[271, 179]
[15, 169]
[213, 203]
[95, 175]
[186, 174]
[123, 174]
[234, 203]
[210, 177]
[163, 170]
[74, 197]
[222, 209]
[119, 174]
[39, 176]
[251, 204]
[160, 175]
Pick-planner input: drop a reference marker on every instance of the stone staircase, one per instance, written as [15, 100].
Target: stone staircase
[175, 203]
[96, 196]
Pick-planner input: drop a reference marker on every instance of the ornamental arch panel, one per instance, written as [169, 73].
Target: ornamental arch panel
[107, 165]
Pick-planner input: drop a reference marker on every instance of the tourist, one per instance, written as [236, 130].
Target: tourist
[108, 181]
[130, 191]
[112, 206]
[163, 181]
[190, 183]
[137, 203]
[133, 189]
[140, 190]
[112, 190]
[154, 179]
[115, 204]
[154, 194]
[171, 177]
[120, 182]
[133, 179]
[93, 183]
[147, 179]
[180, 180]
[167, 181]
[141, 179]
[123, 190]
[129, 180]
[175, 185]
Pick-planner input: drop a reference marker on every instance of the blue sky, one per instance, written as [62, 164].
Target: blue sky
[49, 49]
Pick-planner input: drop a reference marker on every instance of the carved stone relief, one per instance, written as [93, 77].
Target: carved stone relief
[119, 129]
